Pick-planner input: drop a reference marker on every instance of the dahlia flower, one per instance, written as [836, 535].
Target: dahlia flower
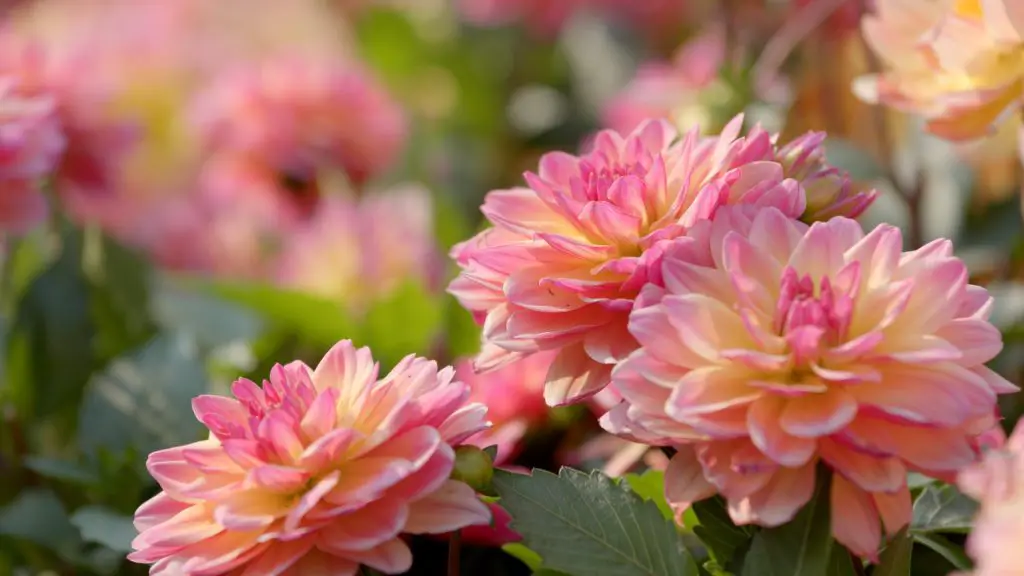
[94, 141]
[274, 130]
[998, 483]
[30, 144]
[514, 396]
[567, 256]
[774, 346]
[959, 64]
[674, 91]
[355, 250]
[319, 471]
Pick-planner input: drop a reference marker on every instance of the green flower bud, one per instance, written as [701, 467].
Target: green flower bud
[474, 467]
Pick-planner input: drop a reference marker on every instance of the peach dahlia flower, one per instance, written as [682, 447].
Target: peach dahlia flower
[317, 472]
[959, 63]
[998, 483]
[568, 255]
[775, 346]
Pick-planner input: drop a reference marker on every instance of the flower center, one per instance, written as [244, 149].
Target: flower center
[806, 308]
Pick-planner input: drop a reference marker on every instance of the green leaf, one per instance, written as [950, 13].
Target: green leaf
[38, 516]
[144, 400]
[895, 560]
[119, 281]
[211, 320]
[953, 553]
[405, 322]
[915, 481]
[50, 345]
[942, 508]
[104, 526]
[525, 555]
[801, 547]
[318, 320]
[651, 486]
[717, 531]
[840, 563]
[61, 470]
[587, 525]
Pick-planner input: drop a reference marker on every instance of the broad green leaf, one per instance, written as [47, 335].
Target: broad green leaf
[406, 322]
[942, 508]
[211, 320]
[38, 516]
[61, 470]
[651, 486]
[50, 345]
[801, 547]
[119, 280]
[318, 320]
[587, 525]
[718, 533]
[895, 560]
[104, 526]
[915, 481]
[953, 553]
[144, 400]
[840, 563]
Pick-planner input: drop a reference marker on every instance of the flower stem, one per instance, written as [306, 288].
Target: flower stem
[858, 566]
[454, 553]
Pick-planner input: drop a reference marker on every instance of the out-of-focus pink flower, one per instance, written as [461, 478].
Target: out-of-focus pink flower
[959, 64]
[272, 129]
[673, 91]
[543, 17]
[30, 145]
[514, 396]
[567, 256]
[356, 250]
[998, 483]
[94, 142]
[775, 345]
[318, 471]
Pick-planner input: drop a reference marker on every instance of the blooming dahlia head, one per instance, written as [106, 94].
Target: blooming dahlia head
[568, 255]
[94, 141]
[775, 345]
[274, 130]
[998, 483]
[959, 63]
[514, 396]
[316, 472]
[30, 144]
[358, 250]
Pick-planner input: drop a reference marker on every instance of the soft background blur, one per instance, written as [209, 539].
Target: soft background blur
[249, 181]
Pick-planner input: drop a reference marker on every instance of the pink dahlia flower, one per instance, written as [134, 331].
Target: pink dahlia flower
[674, 91]
[94, 142]
[998, 483]
[567, 256]
[319, 471]
[514, 396]
[775, 345]
[357, 250]
[273, 131]
[30, 145]
[959, 64]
